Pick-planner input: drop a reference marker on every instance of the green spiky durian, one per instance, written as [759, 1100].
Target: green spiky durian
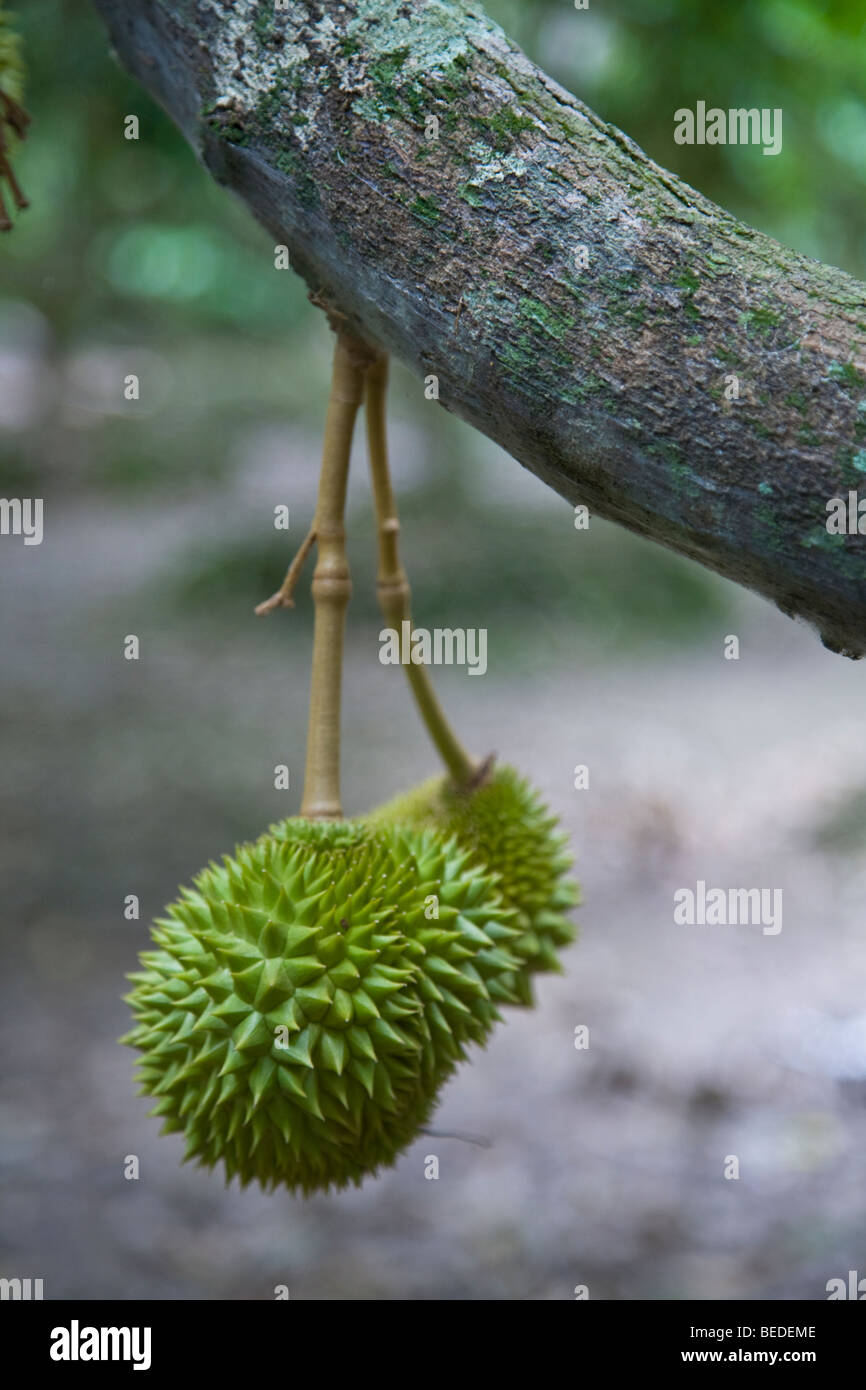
[505, 822]
[304, 1003]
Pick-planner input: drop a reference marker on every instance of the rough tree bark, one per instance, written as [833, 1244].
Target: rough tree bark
[461, 255]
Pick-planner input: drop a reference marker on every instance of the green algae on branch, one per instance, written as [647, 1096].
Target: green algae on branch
[847, 373]
[501, 128]
[426, 211]
[540, 315]
[761, 320]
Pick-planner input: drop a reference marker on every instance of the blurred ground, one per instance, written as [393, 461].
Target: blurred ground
[605, 1167]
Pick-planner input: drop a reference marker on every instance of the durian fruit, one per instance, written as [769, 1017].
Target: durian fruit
[309, 995]
[13, 118]
[504, 821]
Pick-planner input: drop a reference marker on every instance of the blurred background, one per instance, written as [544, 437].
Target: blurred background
[604, 1167]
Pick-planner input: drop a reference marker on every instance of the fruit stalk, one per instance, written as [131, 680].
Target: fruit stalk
[392, 584]
[332, 585]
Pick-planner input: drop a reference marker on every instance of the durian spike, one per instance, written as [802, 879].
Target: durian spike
[392, 585]
[332, 585]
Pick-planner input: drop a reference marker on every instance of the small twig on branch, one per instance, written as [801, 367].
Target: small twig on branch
[13, 115]
[284, 597]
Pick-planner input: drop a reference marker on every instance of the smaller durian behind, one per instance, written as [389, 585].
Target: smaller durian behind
[504, 821]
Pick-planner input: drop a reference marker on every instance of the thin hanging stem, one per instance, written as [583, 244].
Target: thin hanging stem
[332, 585]
[392, 584]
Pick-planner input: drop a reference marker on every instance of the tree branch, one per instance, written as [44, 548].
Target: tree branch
[463, 256]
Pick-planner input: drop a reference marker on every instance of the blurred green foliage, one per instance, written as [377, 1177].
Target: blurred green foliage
[131, 249]
[635, 61]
